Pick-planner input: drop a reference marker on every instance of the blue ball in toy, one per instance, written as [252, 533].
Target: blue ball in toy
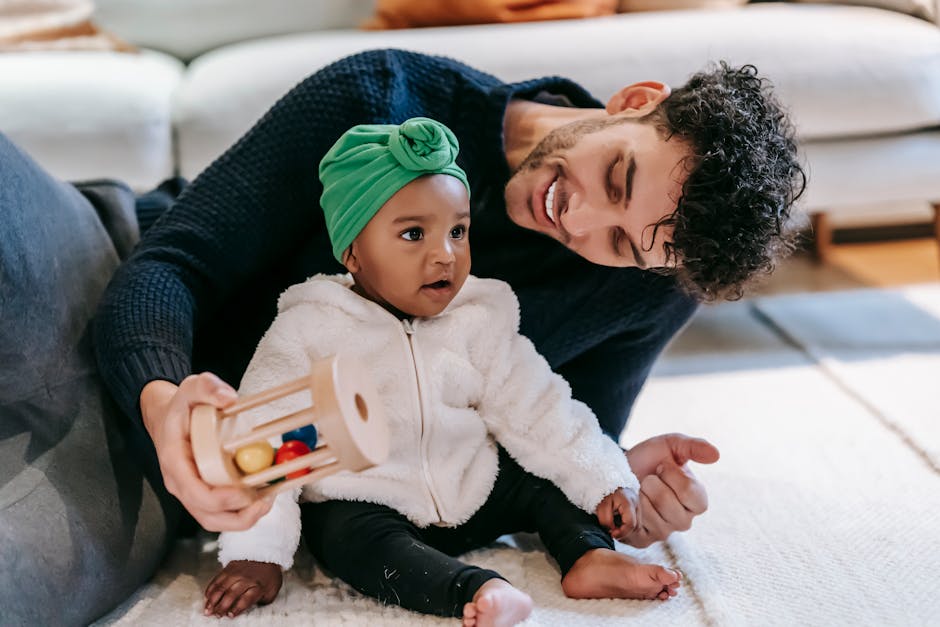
[307, 435]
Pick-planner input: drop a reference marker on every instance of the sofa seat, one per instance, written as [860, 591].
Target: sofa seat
[846, 72]
[86, 115]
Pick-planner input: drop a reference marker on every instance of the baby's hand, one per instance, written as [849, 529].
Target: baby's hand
[618, 512]
[240, 586]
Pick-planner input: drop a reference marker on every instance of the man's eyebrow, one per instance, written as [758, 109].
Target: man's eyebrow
[627, 193]
[628, 184]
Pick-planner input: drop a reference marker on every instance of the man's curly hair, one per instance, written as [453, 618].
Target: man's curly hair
[744, 177]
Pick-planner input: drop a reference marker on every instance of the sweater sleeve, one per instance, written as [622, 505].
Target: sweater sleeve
[608, 377]
[238, 221]
[530, 411]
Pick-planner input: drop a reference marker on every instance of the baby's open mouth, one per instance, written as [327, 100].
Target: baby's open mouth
[437, 285]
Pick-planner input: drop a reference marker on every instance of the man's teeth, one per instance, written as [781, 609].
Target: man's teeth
[550, 201]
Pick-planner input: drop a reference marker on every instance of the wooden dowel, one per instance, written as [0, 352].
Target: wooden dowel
[270, 429]
[267, 396]
[322, 454]
[315, 475]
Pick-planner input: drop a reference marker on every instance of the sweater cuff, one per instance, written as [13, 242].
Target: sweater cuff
[140, 367]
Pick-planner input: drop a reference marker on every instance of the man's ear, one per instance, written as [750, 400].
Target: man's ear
[350, 260]
[638, 99]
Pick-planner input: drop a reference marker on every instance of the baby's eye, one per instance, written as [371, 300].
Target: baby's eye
[413, 234]
[458, 231]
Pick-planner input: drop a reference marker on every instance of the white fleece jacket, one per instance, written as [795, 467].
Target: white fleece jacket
[451, 385]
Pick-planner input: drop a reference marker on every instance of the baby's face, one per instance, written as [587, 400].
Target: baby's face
[414, 255]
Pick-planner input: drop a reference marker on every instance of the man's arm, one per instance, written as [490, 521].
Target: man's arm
[235, 222]
[609, 376]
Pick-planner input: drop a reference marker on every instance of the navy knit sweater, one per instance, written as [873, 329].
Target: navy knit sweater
[201, 288]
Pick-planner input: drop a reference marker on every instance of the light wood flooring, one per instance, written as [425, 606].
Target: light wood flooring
[858, 265]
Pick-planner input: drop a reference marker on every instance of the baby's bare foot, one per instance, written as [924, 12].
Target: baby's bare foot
[607, 574]
[497, 604]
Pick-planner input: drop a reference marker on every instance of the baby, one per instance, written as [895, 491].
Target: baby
[485, 439]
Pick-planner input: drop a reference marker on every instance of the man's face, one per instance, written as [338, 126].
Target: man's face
[598, 187]
[414, 255]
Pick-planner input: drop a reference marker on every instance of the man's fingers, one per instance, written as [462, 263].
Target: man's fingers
[685, 448]
[662, 512]
[690, 492]
[207, 388]
[605, 515]
[197, 495]
[653, 523]
[232, 521]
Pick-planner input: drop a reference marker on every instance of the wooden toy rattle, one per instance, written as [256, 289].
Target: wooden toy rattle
[342, 429]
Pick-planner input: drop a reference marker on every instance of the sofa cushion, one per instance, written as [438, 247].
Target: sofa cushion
[843, 70]
[186, 28]
[89, 115]
[921, 8]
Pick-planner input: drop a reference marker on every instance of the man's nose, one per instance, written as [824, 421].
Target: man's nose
[581, 216]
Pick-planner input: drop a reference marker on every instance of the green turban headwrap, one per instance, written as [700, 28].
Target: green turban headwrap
[370, 162]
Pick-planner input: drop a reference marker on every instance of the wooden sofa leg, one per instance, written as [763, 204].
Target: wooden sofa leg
[936, 226]
[822, 236]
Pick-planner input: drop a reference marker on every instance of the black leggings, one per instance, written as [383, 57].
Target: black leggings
[382, 554]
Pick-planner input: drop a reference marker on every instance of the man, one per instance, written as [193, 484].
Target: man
[594, 216]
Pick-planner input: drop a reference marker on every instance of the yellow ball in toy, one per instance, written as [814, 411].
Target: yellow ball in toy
[254, 457]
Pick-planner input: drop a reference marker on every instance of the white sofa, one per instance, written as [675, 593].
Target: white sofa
[863, 84]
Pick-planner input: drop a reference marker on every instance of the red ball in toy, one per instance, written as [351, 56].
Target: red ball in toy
[292, 449]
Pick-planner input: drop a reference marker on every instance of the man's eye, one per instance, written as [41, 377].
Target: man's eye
[413, 234]
[612, 189]
[458, 231]
[616, 241]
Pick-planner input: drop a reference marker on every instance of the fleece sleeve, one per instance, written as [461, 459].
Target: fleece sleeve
[282, 355]
[530, 411]
[273, 538]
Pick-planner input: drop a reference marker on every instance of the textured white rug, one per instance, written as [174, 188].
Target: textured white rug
[825, 506]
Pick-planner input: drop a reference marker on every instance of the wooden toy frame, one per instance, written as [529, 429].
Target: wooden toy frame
[352, 432]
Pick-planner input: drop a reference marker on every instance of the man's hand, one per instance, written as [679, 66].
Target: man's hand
[670, 495]
[165, 409]
[241, 585]
[618, 512]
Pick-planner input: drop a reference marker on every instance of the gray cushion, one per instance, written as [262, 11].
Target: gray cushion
[80, 527]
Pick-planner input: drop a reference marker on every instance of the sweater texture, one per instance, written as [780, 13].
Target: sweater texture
[451, 386]
[202, 286]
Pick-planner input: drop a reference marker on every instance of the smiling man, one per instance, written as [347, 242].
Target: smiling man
[609, 222]
[571, 201]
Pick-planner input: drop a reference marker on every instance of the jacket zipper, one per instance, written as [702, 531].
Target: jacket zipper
[422, 443]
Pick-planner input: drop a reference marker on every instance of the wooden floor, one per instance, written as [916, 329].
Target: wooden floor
[870, 264]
